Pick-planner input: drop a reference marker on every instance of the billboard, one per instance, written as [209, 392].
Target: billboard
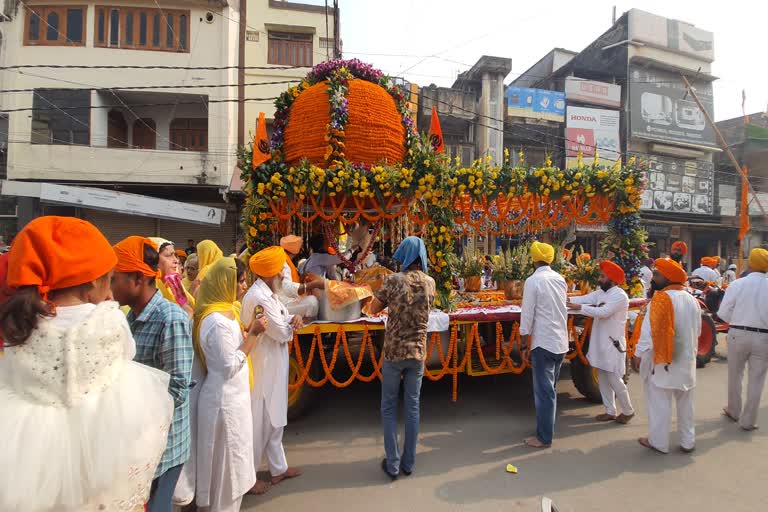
[661, 111]
[535, 103]
[592, 92]
[675, 185]
[673, 35]
[590, 128]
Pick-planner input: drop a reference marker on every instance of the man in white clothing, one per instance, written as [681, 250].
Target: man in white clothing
[666, 357]
[744, 308]
[607, 341]
[544, 328]
[707, 270]
[646, 275]
[729, 275]
[293, 293]
[269, 396]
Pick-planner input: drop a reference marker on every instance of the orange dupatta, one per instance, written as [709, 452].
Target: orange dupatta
[663, 325]
[294, 271]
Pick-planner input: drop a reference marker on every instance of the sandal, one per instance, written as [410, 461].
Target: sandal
[534, 442]
[644, 442]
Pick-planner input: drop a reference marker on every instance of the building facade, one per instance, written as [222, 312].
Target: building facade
[281, 42]
[129, 97]
[625, 97]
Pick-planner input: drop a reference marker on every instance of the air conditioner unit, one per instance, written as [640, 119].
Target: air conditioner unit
[677, 151]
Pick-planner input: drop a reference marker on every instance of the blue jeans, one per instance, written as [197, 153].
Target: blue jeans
[411, 371]
[161, 495]
[546, 372]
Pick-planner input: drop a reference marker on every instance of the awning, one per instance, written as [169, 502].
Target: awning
[119, 202]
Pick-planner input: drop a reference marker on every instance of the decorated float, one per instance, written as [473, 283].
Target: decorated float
[344, 153]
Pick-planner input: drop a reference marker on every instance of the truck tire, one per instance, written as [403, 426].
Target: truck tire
[300, 400]
[707, 340]
[585, 379]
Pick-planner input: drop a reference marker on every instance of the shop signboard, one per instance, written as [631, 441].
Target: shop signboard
[587, 129]
[578, 90]
[681, 186]
[661, 110]
[535, 103]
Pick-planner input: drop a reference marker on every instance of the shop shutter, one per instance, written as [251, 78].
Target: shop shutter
[117, 226]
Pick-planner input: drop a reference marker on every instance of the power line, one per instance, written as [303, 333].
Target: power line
[158, 86]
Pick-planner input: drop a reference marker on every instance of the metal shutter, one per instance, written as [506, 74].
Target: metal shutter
[117, 226]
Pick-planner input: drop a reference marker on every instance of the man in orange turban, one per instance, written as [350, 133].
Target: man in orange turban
[666, 357]
[269, 396]
[294, 293]
[607, 341]
[163, 337]
[678, 251]
[707, 271]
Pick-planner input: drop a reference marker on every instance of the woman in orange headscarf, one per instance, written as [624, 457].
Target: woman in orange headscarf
[67, 371]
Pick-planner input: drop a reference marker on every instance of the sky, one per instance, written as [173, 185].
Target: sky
[431, 41]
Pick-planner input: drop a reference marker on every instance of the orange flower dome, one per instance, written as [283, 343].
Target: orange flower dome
[374, 132]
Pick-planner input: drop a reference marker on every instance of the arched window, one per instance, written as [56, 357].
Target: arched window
[117, 130]
[144, 134]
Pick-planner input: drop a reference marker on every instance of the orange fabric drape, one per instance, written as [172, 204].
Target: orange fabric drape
[663, 325]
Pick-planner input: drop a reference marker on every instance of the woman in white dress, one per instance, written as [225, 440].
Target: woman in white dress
[224, 458]
[83, 425]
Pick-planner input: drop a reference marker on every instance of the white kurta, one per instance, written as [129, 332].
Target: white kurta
[646, 276]
[706, 273]
[609, 309]
[270, 354]
[306, 307]
[681, 373]
[225, 469]
[676, 382]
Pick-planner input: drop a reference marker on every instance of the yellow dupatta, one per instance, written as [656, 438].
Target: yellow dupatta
[218, 294]
[208, 253]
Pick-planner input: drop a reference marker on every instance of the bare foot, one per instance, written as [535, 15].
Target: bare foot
[261, 487]
[291, 473]
[730, 416]
[534, 442]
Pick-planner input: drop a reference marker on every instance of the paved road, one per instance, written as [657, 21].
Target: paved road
[465, 446]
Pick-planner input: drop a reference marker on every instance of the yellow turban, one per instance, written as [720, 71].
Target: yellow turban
[758, 260]
[268, 262]
[291, 244]
[542, 252]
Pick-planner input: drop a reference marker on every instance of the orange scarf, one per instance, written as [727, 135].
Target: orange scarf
[663, 325]
[294, 271]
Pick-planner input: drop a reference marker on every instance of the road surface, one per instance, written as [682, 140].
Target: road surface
[464, 448]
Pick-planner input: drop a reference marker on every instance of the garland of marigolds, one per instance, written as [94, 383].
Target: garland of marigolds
[444, 198]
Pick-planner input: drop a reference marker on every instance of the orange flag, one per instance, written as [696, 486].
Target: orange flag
[744, 221]
[261, 151]
[436, 133]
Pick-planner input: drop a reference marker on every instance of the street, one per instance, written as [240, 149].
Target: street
[465, 446]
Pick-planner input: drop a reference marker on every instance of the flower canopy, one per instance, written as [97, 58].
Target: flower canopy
[345, 150]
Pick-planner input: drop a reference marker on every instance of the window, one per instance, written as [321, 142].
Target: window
[55, 26]
[117, 130]
[189, 134]
[144, 134]
[61, 116]
[290, 49]
[114, 27]
[143, 29]
[129, 28]
[100, 28]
